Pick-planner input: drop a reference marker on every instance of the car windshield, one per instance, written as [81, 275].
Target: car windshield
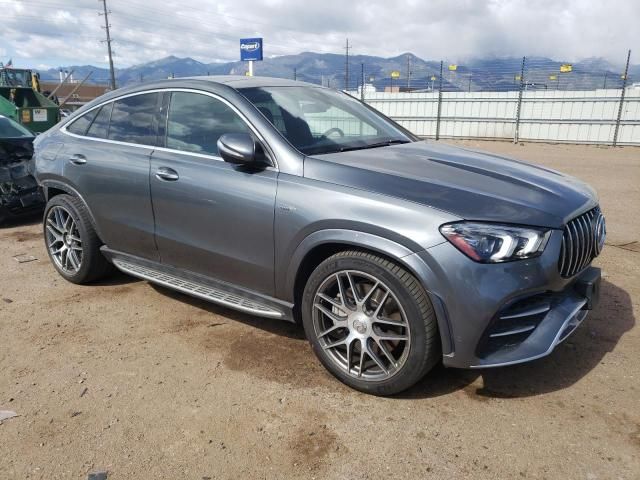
[11, 129]
[318, 120]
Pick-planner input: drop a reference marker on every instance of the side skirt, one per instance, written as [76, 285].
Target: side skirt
[199, 286]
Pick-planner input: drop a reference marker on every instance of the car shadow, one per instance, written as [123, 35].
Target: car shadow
[567, 364]
[116, 278]
[25, 220]
[277, 327]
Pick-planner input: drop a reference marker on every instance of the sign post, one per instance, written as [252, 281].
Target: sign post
[251, 51]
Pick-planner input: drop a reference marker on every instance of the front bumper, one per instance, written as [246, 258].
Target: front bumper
[493, 315]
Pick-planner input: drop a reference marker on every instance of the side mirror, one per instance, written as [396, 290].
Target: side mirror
[240, 149]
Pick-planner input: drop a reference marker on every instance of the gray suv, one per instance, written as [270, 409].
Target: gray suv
[296, 202]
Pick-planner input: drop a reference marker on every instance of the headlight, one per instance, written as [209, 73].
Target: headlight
[493, 243]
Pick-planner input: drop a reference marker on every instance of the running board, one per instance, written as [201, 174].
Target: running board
[196, 289]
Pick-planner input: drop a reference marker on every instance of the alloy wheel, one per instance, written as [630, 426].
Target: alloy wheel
[361, 325]
[63, 240]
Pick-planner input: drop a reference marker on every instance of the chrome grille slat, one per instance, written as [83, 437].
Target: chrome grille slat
[576, 246]
[579, 241]
[583, 242]
[588, 226]
[592, 245]
[570, 248]
[563, 254]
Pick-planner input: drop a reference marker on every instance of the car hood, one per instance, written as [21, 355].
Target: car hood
[469, 184]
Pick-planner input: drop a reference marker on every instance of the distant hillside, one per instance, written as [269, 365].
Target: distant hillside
[477, 74]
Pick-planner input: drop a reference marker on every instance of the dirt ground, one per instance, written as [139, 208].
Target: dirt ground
[146, 383]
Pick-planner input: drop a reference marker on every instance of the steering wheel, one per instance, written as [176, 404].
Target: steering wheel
[333, 130]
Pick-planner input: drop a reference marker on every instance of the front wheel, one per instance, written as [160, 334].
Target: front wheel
[370, 322]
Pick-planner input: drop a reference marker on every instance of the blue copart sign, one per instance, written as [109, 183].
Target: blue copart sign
[250, 49]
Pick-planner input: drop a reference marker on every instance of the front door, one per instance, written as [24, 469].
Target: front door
[211, 217]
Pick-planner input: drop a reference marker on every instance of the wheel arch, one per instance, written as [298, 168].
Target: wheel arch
[320, 245]
[53, 188]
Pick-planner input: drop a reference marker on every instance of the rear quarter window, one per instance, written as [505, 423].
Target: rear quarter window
[79, 126]
[100, 126]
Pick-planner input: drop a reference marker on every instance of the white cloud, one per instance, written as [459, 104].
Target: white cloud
[69, 32]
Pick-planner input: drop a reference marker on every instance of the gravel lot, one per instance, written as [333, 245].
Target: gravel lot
[146, 383]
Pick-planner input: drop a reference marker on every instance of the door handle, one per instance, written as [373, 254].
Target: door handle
[78, 159]
[168, 174]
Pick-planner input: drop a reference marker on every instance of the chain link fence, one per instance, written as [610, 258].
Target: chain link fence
[526, 99]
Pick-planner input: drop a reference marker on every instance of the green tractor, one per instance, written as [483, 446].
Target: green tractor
[21, 100]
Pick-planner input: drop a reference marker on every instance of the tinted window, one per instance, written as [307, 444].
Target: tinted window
[133, 119]
[79, 126]
[100, 126]
[196, 122]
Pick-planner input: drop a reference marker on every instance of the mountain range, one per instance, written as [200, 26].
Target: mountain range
[488, 74]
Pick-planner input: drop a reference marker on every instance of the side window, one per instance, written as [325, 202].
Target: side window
[197, 121]
[100, 126]
[79, 126]
[133, 119]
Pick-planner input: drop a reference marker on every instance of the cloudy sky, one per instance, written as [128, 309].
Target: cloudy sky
[50, 33]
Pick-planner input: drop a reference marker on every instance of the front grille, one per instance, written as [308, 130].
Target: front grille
[581, 242]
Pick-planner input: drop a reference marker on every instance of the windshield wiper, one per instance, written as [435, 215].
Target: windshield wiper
[386, 143]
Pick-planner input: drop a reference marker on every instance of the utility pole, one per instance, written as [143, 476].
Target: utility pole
[108, 41]
[408, 72]
[346, 67]
[295, 73]
[362, 83]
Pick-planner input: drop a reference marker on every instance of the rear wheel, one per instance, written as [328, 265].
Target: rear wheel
[71, 241]
[370, 322]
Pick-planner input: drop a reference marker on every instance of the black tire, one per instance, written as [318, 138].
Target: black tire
[94, 265]
[424, 349]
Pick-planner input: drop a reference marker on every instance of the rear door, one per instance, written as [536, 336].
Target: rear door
[108, 163]
[212, 217]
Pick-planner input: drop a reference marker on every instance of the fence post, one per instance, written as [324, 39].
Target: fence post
[624, 87]
[439, 104]
[516, 135]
